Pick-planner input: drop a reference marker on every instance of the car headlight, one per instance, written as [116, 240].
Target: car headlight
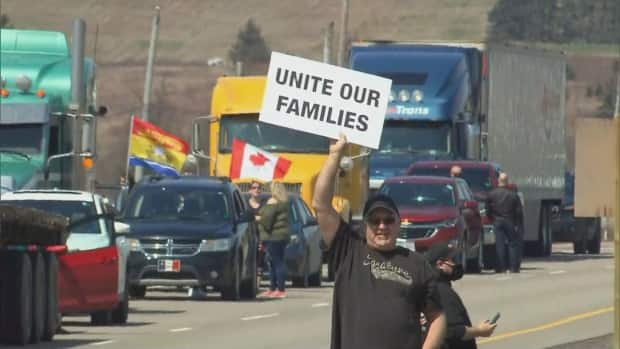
[392, 96]
[134, 245]
[215, 245]
[417, 95]
[447, 223]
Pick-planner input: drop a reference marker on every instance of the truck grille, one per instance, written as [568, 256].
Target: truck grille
[416, 232]
[170, 247]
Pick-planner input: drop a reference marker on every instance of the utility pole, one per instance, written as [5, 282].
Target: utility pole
[328, 39]
[148, 81]
[617, 215]
[344, 19]
[77, 101]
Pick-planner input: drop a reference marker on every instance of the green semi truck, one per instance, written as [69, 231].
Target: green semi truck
[48, 116]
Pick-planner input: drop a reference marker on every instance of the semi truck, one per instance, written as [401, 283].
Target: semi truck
[235, 106]
[479, 102]
[47, 131]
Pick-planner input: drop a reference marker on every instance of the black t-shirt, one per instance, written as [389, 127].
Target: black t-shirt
[378, 296]
[456, 317]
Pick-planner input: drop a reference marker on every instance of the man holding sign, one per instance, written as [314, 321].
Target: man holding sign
[380, 288]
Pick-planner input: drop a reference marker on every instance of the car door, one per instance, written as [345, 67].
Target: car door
[88, 273]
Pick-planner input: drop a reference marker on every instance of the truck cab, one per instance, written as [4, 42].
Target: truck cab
[431, 105]
[36, 85]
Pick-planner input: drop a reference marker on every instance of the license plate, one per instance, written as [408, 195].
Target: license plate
[169, 265]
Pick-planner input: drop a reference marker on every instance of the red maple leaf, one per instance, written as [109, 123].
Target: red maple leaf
[258, 159]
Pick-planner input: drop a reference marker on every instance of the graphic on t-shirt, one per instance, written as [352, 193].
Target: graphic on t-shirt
[387, 271]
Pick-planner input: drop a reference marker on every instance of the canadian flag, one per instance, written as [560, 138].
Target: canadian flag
[249, 161]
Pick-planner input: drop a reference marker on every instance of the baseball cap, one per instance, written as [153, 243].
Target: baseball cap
[380, 201]
[441, 250]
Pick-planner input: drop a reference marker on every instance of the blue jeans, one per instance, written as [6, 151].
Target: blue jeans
[277, 268]
[507, 236]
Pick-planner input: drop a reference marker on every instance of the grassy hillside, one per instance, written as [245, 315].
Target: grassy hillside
[195, 30]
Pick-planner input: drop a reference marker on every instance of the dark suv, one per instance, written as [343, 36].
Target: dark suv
[191, 231]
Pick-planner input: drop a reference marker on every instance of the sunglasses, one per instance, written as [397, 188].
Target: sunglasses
[376, 221]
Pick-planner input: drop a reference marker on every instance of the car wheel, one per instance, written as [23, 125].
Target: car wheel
[121, 312]
[38, 297]
[16, 299]
[52, 322]
[101, 318]
[249, 288]
[303, 280]
[488, 256]
[579, 246]
[137, 291]
[233, 291]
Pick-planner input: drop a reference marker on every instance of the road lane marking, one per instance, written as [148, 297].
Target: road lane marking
[557, 272]
[318, 305]
[102, 343]
[258, 317]
[548, 325]
[503, 278]
[182, 329]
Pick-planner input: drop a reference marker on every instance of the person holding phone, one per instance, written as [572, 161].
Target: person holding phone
[461, 334]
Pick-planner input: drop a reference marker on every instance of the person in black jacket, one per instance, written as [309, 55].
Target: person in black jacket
[460, 332]
[505, 210]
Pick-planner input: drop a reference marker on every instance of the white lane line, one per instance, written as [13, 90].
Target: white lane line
[503, 278]
[557, 272]
[258, 317]
[319, 305]
[102, 343]
[183, 329]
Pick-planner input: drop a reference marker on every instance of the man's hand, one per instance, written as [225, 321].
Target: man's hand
[485, 328]
[338, 146]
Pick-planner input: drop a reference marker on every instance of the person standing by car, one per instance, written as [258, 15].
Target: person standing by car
[505, 211]
[274, 233]
[380, 288]
[255, 201]
[460, 333]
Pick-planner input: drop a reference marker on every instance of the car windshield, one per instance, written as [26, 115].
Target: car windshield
[268, 137]
[170, 203]
[74, 210]
[478, 179]
[420, 194]
[21, 138]
[398, 136]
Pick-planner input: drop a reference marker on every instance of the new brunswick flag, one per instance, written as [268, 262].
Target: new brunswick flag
[155, 148]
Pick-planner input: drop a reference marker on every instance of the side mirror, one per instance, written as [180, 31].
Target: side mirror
[121, 228]
[471, 204]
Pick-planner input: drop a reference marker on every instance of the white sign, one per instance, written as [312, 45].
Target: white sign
[325, 100]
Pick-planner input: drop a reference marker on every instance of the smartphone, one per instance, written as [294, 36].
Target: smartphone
[494, 319]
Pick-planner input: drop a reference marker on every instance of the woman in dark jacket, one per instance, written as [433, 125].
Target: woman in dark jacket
[274, 232]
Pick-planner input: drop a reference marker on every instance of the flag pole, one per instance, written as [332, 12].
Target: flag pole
[129, 149]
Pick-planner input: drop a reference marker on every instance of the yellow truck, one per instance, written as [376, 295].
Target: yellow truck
[235, 107]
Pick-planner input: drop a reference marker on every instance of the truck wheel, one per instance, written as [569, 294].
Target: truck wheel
[51, 305]
[489, 256]
[579, 246]
[38, 297]
[137, 291]
[16, 317]
[594, 244]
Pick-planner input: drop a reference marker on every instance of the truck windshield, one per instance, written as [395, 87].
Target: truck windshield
[407, 136]
[170, 203]
[420, 194]
[24, 138]
[74, 210]
[268, 137]
[479, 179]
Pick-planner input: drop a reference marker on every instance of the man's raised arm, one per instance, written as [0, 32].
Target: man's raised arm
[328, 218]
